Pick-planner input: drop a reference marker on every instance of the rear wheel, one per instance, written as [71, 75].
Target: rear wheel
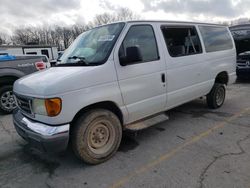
[216, 97]
[96, 136]
[7, 101]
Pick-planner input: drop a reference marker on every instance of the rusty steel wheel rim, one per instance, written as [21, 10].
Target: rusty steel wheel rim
[101, 137]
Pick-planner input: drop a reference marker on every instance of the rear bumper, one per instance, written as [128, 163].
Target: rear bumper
[41, 136]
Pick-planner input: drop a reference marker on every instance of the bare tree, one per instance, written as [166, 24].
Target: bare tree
[225, 23]
[125, 14]
[3, 38]
[122, 14]
[78, 29]
[102, 19]
[67, 37]
[21, 36]
[63, 36]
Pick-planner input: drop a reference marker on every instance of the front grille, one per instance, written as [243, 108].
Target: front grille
[244, 57]
[243, 61]
[24, 104]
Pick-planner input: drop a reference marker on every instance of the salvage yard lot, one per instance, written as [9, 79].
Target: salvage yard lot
[197, 147]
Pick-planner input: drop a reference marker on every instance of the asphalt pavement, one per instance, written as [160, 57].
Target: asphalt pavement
[196, 147]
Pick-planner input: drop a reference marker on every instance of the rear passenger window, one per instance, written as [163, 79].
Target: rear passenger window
[142, 37]
[181, 41]
[31, 53]
[216, 38]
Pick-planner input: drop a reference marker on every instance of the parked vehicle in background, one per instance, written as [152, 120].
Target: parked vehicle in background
[117, 76]
[53, 63]
[241, 35]
[50, 51]
[13, 68]
[60, 53]
[243, 65]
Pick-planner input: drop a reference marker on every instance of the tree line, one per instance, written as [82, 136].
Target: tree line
[62, 36]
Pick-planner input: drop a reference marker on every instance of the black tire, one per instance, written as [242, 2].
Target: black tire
[7, 104]
[96, 136]
[216, 97]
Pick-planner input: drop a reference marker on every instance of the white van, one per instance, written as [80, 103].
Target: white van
[114, 77]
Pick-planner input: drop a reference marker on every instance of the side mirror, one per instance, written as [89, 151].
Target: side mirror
[133, 54]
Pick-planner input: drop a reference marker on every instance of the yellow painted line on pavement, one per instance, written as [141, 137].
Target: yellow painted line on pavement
[171, 153]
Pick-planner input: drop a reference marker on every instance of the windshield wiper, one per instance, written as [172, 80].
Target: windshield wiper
[80, 61]
[77, 63]
[76, 57]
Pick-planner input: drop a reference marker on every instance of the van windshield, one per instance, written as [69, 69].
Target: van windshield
[92, 47]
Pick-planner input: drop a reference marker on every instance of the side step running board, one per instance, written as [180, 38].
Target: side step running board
[147, 123]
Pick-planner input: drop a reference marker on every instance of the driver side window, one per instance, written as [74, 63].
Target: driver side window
[142, 38]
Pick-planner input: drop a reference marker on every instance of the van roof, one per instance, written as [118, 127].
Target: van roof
[174, 22]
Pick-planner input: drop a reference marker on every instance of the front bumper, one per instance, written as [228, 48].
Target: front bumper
[41, 136]
[243, 72]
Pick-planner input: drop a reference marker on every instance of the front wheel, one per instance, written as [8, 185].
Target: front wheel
[96, 136]
[7, 101]
[216, 97]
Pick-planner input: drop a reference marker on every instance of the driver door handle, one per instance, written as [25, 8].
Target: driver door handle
[163, 78]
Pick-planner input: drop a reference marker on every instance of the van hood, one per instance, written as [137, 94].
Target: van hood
[58, 80]
[244, 53]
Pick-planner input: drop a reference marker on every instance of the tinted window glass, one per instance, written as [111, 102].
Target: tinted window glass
[181, 41]
[242, 40]
[31, 53]
[141, 36]
[45, 52]
[216, 38]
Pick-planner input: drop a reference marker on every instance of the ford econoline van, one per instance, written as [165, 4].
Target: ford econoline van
[119, 76]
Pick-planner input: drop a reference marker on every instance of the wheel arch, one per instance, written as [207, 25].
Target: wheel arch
[222, 78]
[108, 105]
[8, 79]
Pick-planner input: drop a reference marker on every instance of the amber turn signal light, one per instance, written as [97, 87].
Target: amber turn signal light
[53, 106]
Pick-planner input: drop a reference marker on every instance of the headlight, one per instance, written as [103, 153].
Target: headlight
[38, 107]
[47, 107]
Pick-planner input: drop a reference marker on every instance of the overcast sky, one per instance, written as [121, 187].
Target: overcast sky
[18, 13]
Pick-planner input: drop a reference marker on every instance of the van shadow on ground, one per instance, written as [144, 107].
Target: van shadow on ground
[243, 81]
